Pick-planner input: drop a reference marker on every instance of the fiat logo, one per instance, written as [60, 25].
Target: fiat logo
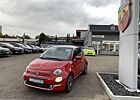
[124, 15]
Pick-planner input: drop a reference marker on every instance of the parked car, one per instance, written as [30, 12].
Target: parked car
[13, 49]
[26, 49]
[48, 47]
[34, 48]
[56, 69]
[27, 46]
[40, 49]
[4, 51]
[89, 51]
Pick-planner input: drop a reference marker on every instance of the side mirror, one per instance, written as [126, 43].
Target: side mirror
[78, 58]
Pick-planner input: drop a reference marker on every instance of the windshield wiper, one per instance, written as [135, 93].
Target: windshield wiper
[43, 58]
[51, 58]
[55, 59]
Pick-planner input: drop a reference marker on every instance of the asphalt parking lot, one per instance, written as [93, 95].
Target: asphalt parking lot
[86, 87]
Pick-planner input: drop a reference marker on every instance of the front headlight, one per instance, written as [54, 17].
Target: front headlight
[27, 68]
[58, 79]
[57, 72]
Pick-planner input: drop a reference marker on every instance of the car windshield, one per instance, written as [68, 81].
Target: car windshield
[21, 45]
[32, 46]
[27, 46]
[57, 53]
[89, 48]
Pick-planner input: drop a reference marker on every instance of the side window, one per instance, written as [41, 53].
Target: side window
[77, 52]
[81, 52]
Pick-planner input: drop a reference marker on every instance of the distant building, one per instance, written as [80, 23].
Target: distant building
[10, 40]
[101, 37]
[19, 40]
[0, 29]
[81, 33]
[80, 36]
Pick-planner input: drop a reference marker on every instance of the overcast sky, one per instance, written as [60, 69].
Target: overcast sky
[55, 17]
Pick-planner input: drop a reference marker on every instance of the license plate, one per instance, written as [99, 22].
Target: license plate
[89, 53]
[36, 80]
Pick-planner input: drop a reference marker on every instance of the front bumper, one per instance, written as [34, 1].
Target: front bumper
[92, 54]
[47, 87]
[5, 53]
[49, 83]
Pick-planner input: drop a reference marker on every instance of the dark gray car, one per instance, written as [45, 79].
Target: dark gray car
[13, 49]
[4, 51]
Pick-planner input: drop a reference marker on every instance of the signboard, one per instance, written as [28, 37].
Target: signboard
[98, 36]
[128, 23]
[124, 15]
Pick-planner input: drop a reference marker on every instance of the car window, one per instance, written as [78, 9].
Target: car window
[81, 52]
[77, 52]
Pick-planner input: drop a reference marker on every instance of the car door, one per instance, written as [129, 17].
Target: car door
[82, 60]
[77, 64]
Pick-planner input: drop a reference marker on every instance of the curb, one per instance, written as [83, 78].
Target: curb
[115, 97]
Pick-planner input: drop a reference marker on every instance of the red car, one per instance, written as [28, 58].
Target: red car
[56, 69]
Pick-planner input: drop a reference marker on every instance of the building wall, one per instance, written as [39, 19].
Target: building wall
[88, 39]
[110, 37]
[81, 33]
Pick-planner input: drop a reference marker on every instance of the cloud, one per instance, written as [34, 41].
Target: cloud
[100, 3]
[55, 16]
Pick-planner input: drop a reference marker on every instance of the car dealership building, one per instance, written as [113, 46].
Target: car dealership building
[104, 38]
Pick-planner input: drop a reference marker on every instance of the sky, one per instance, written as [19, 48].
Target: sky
[55, 17]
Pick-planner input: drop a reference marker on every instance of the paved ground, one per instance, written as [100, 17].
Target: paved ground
[85, 87]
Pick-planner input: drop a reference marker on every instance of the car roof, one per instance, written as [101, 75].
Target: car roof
[4, 43]
[68, 46]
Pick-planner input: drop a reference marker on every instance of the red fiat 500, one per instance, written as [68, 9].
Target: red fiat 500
[56, 69]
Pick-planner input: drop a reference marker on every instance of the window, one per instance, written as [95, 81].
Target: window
[77, 52]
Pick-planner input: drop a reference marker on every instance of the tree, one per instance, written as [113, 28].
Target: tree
[68, 38]
[42, 38]
[23, 38]
[73, 35]
[6, 36]
[1, 35]
[27, 37]
[37, 37]
[56, 38]
[48, 38]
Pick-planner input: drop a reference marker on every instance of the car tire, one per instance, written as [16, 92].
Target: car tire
[69, 83]
[85, 69]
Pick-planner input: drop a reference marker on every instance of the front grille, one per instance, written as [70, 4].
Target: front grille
[38, 84]
[43, 74]
[33, 73]
[37, 73]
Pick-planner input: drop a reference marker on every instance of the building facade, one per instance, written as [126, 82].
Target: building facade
[104, 38]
